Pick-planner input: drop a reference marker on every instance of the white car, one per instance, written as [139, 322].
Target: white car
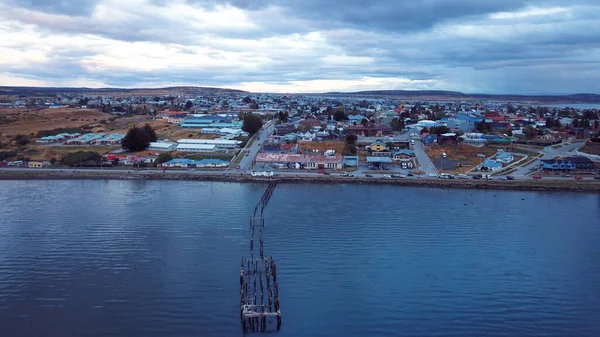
[433, 175]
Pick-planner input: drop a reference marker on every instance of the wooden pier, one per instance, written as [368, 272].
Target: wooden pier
[259, 290]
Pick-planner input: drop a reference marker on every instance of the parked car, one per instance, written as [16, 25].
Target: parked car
[368, 175]
[477, 176]
[433, 175]
[510, 177]
[463, 176]
[410, 175]
[578, 177]
[537, 177]
[597, 177]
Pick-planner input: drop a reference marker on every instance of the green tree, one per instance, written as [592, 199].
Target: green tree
[349, 150]
[253, 106]
[252, 123]
[424, 130]
[163, 158]
[52, 160]
[530, 132]
[438, 130]
[351, 139]
[339, 116]
[188, 105]
[150, 132]
[397, 124]
[483, 126]
[21, 140]
[136, 139]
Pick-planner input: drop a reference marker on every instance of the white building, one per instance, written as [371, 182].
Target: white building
[222, 143]
[162, 146]
[196, 148]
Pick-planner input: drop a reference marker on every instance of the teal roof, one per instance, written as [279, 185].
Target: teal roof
[378, 142]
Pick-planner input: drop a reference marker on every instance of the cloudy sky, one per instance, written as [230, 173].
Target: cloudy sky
[474, 46]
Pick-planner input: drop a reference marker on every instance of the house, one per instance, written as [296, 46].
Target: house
[37, 164]
[502, 127]
[447, 138]
[504, 158]
[405, 158]
[490, 165]
[429, 139]
[569, 164]
[403, 155]
[369, 130]
[378, 146]
[227, 144]
[162, 146]
[281, 148]
[311, 122]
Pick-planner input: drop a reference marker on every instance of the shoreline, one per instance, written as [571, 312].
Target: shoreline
[523, 185]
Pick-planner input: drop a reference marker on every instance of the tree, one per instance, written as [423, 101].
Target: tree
[349, 150]
[136, 139]
[364, 121]
[150, 132]
[52, 160]
[596, 124]
[438, 130]
[483, 126]
[252, 123]
[188, 105]
[397, 124]
[530, 132]
[163, 158]
[351, 139]
[511, 109]
[79, 157]
[283, 117]
[424, 130]
[339, 116]
[21, 140]
[247, 100]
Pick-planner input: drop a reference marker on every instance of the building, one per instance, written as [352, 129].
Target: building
[504, 158]
[196, 148]
[490, 165]
[369, 130]
[162, 146]
[350, 161]
[379, 163]
[300, 161]
[220, 143]
[37, 164]
[569, 164]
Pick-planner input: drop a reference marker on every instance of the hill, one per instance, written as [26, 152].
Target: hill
[440, 95]
[53, 91]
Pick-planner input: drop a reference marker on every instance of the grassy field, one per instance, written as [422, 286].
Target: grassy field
[591, 148]
[321, 147]
[29, 121]
[464, 154]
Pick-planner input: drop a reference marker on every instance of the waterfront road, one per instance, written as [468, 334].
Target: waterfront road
[73, 172]
[423, 158]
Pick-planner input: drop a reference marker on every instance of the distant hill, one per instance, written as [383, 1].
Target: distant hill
[51, 91]
[441, 95]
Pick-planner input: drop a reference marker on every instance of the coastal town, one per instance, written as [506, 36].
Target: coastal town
[268, 135]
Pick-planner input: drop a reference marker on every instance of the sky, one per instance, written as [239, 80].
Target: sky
[289, 46]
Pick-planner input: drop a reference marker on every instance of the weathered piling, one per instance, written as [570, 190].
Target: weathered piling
[259, 308]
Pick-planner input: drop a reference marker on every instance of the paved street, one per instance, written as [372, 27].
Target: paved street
[424, 161]
[253, 150]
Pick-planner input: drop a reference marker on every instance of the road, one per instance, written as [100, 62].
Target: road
[253, 150]
[423, 158]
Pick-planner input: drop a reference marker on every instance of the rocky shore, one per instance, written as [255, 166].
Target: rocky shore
[531, 185]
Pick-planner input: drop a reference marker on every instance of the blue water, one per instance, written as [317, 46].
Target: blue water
[581, 106]
[161, 258]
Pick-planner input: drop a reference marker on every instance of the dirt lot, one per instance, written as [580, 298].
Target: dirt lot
[322, 146]
[29, 121]
[463, 154]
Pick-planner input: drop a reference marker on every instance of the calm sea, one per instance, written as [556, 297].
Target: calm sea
[161, 258]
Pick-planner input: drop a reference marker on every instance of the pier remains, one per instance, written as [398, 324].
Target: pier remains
[259, 290]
